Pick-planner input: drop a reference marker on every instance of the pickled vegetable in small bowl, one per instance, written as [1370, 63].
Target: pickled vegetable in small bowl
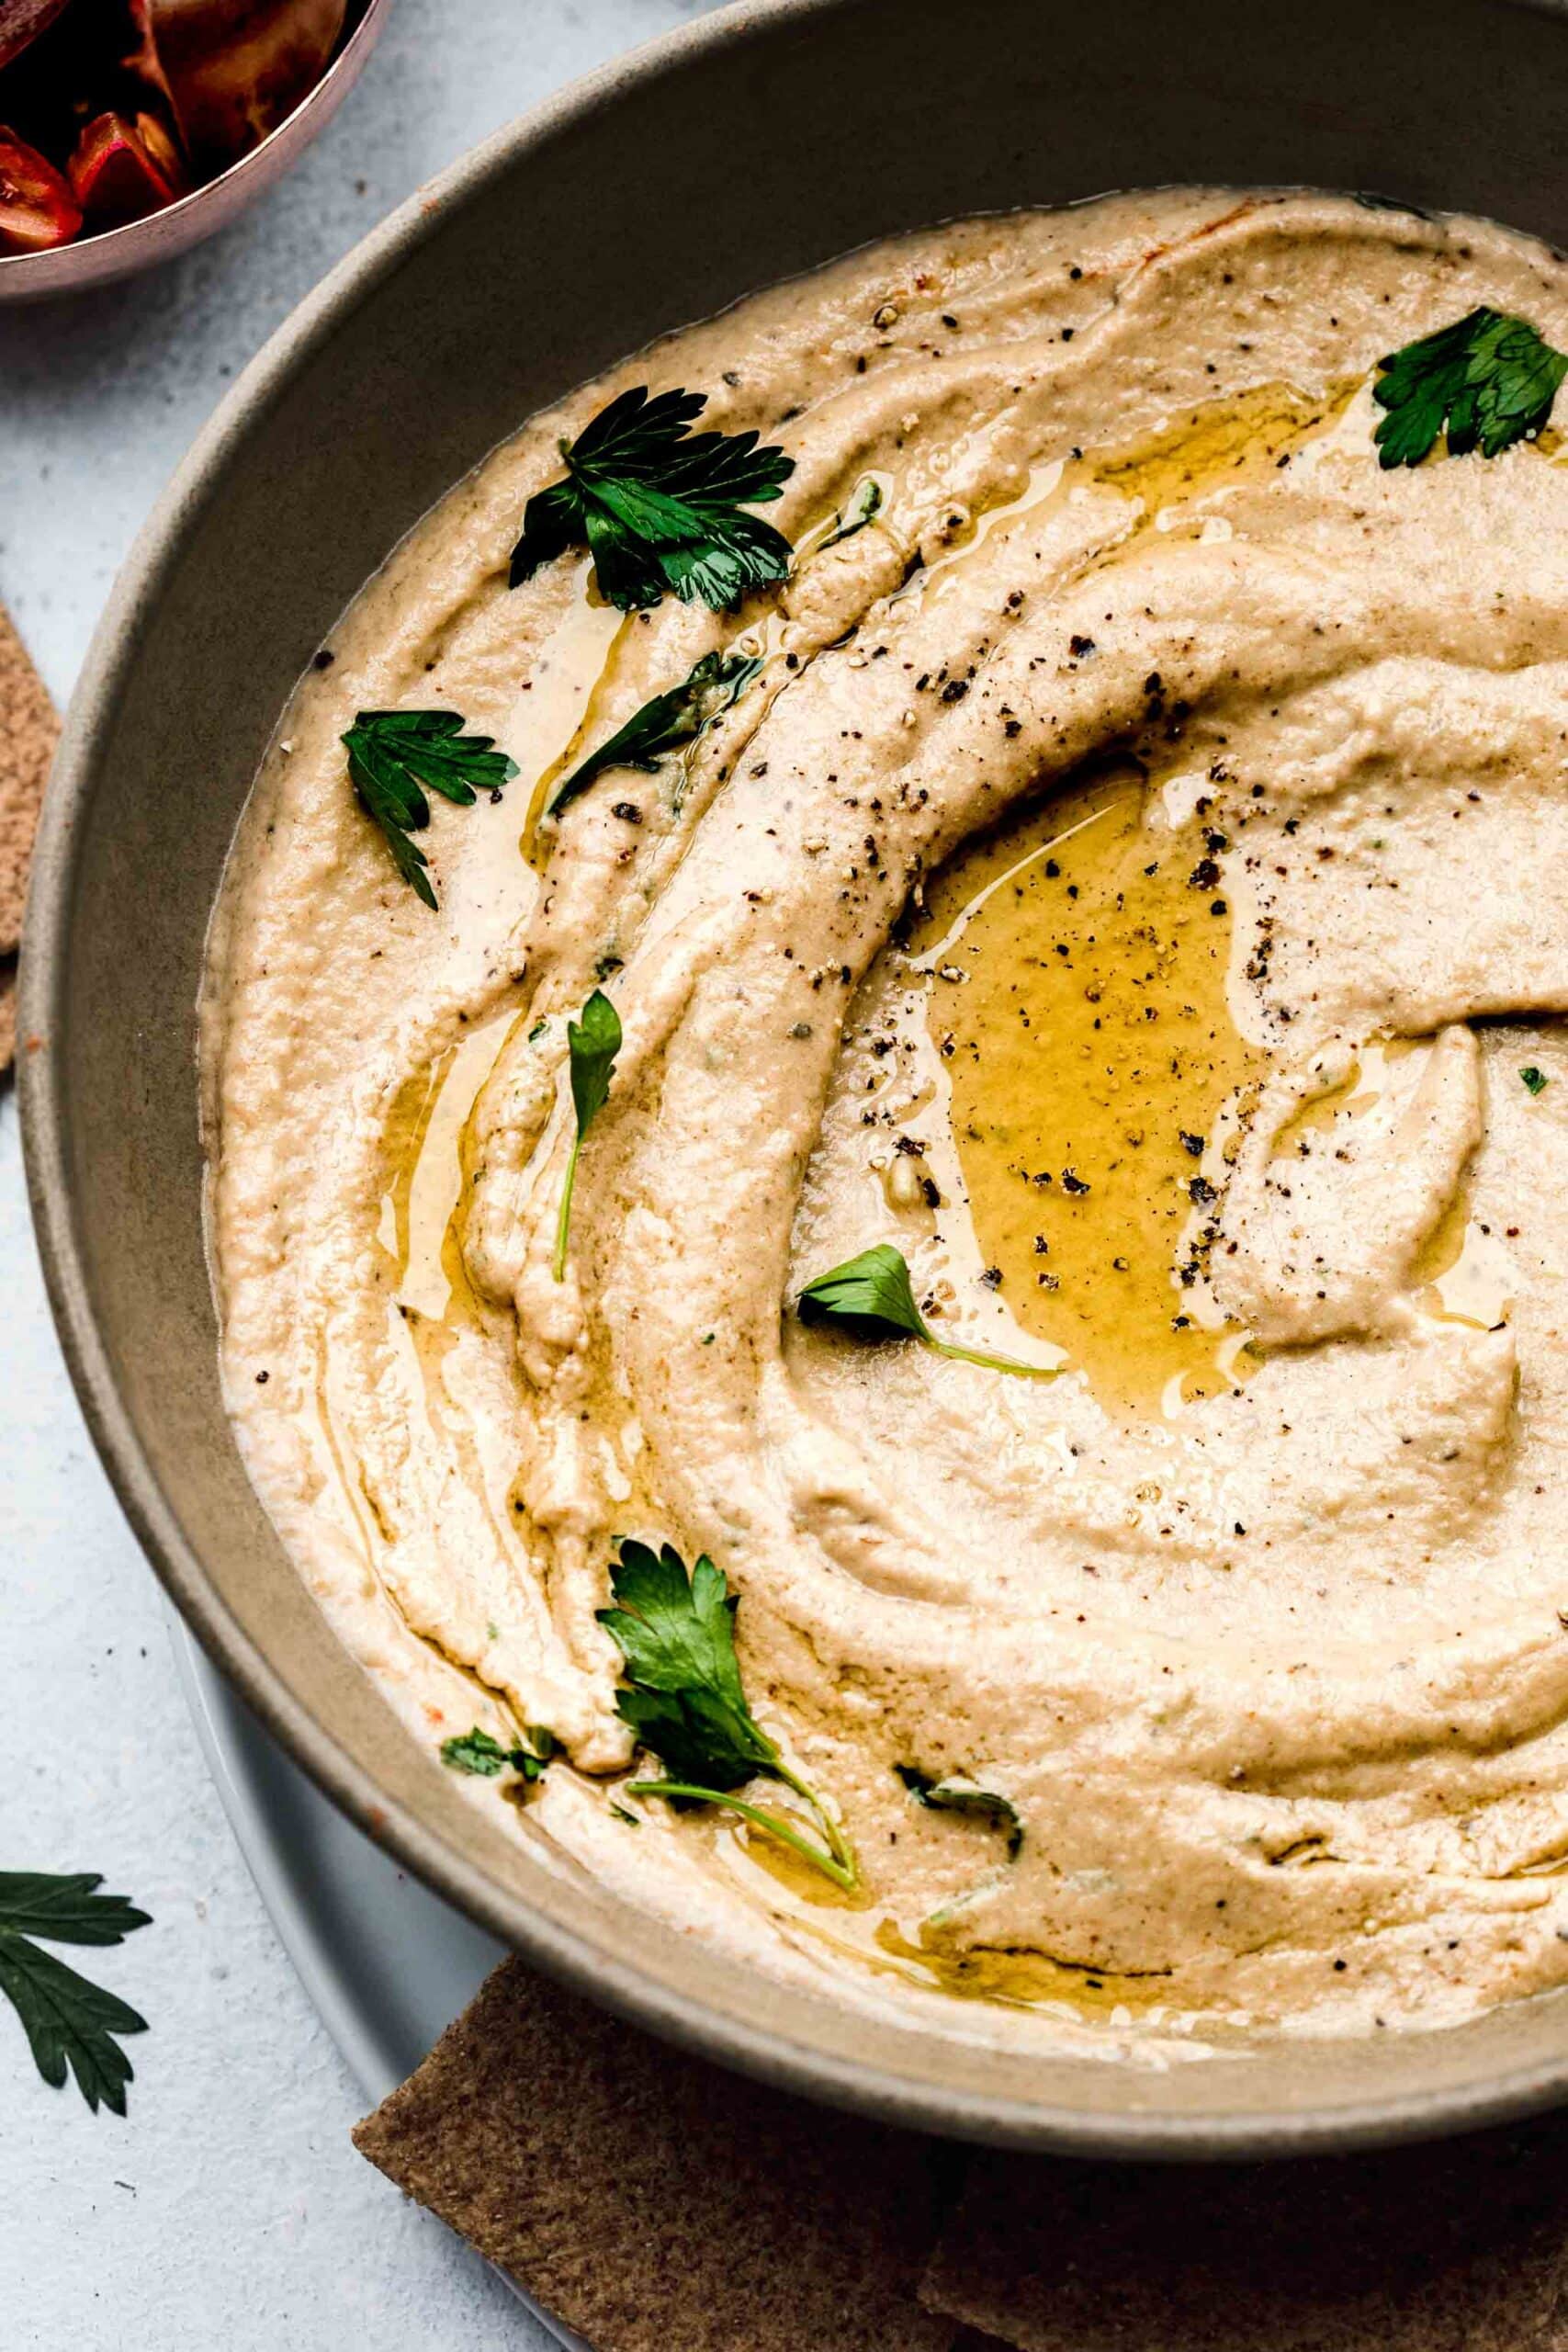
[131, 129]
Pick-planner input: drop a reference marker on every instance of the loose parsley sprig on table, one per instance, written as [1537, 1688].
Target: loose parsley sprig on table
[872, 1298]
[687, 1705]
[658, 506]
[475, 1751]
[67, 2020]
[667, 723]
[592, 1044]
[958, 1793]
[1491, 379]
[395, 757]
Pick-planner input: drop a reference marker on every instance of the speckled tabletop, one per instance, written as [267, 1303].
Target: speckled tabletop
[229, 2209]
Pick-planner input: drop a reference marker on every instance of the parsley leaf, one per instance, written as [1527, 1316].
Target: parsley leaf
[395, 757]
[659, 506]
[959, 1793]
[864, 503]
[870, 1298]
[1536, 1082]
[871, 1295]
[666, 724]
[475, 1751]
[1490, 379]
[592, 1044]
[675, 1632]
[687, 1704]
[67, 2020]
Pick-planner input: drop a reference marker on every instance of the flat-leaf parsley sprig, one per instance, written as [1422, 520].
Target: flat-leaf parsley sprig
[67, 2021]
[957, 1792]
[870, 1298]
[1489, 379]
[667, 723]
[396, 757]
[479, 1752]
[592, 1044]
[659, 507]
[687, 1705]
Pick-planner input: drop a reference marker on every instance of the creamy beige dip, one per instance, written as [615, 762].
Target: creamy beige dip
[1155, 795]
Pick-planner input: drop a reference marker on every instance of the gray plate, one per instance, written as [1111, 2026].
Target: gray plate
[387, 1963]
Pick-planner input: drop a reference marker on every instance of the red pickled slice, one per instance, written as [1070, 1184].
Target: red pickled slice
[37, 208]
[22, 21]
[124, 167]
[231, 69]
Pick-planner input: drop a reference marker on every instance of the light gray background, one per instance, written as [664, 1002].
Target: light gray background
[229, 2209]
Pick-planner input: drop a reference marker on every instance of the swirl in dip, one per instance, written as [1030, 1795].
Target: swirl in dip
[1131, 887]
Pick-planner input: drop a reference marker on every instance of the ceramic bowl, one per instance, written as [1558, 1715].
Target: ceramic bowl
[541, 259]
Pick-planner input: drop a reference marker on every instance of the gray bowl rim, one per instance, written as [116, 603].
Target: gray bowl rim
[757, 2050]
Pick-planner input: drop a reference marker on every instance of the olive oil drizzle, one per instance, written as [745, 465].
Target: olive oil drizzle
[1076, 967]
[1220, 443]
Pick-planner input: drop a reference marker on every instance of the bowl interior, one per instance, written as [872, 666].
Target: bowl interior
[539, 261]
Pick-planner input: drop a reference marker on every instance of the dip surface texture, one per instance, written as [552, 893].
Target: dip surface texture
[1131, 885]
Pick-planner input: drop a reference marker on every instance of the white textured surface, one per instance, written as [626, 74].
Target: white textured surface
[229, 2209]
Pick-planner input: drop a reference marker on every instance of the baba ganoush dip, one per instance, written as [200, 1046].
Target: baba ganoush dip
[1112, 867]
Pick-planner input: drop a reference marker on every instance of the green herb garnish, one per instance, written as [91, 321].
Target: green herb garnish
[658, 506]
[65, 2018]
[864, 504]
[395, 757]
[1536, 1082]
[592, 1044]
[1489, 378]
[958, 1793]
[475, 1751]
[870, 1298]
[686, 1702]
[666, 724]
